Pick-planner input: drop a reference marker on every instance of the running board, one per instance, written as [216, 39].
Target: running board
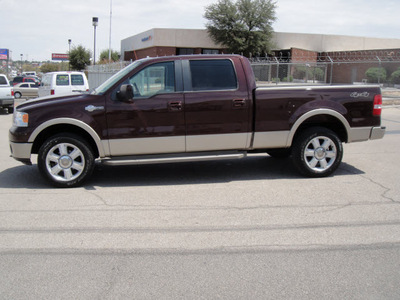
[172, 158]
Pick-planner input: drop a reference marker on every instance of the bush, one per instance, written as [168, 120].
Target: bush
[395, 77]
[288, 79]
[376, 75]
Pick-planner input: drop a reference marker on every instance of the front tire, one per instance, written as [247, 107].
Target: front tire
[65, 160]
[17, 95]
[317, 152]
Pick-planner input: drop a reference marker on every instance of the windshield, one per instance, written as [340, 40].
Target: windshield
[100, 90]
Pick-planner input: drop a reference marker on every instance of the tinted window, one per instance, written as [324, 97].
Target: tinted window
[24, 85]
[3, 80]
[154, 79]
[62, 80]
[77, 80]
[213, 75]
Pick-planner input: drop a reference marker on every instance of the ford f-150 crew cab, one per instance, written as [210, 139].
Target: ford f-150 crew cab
[192, 108]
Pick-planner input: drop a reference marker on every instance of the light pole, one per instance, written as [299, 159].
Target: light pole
[21, 64]
[109, 42]
[95, 23]
[69, 53]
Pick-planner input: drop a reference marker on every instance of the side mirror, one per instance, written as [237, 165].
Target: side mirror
[125, 93]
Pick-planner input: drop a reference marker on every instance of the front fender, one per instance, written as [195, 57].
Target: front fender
[101, 146]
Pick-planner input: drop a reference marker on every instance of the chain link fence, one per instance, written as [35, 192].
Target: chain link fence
[352, 67]
[97, 74]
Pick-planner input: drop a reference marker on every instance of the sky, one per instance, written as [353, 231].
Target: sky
[38, 28]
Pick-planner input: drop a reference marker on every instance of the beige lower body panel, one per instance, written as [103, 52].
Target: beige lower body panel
[121, 147]
[214, 142]
[272, 139]
[196, 143]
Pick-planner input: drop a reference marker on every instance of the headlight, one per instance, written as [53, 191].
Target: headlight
[20, 119]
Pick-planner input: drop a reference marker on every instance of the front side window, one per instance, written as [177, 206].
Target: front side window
[213, 75]
[25, 85]
[62, 79]
[155, 79]
[77, 79]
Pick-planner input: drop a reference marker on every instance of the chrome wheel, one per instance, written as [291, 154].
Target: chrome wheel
[320, 153]
[65, 162]
[317, 152]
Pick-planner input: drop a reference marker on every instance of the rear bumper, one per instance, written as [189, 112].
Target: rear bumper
[7, 102]
[365, 133]
[377, 133]
[21, 152]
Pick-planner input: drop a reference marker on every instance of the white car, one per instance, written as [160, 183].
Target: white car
[63, 83]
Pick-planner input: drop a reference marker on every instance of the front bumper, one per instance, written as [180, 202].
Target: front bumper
[21, 152]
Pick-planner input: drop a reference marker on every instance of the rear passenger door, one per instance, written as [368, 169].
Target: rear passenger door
[217, 105]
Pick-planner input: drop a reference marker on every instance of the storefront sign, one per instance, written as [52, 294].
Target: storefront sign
[59, 56]
[147, 38]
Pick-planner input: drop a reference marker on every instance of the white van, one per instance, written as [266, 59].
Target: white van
[63, 83]
[29, 73]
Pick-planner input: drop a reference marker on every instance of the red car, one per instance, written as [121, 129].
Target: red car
[20, 79]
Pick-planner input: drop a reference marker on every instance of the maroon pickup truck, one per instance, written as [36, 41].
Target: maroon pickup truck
[192, 108]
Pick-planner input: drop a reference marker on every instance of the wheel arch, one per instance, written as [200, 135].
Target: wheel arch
[321, 118]
[79, 128]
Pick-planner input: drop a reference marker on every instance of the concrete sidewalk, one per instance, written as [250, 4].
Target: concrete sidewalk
[390, 96]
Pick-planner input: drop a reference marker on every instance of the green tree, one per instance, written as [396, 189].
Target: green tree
[79, 58]
[104, 56]
[50, 67]
[376, 75]
[395, 77]
[244, 26]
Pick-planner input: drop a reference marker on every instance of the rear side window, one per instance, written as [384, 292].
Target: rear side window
[3, 80]
[77, 79]
[213, 75]
[62, 80]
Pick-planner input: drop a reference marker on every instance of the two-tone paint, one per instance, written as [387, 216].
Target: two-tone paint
[185, 121]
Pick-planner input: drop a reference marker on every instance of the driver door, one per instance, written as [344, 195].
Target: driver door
[153, 120]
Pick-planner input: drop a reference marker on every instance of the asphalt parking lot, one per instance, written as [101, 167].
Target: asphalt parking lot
[176, 219]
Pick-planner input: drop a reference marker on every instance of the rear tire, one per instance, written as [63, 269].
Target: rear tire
[317, 152]
[65, 160]
[17, 95]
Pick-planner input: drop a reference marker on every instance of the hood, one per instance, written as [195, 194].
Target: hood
[49, 101]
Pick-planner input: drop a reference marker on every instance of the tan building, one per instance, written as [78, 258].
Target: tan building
[162, 41]
[294, 47]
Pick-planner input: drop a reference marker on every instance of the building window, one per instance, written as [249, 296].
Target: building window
[185, 51]
[210, 51]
